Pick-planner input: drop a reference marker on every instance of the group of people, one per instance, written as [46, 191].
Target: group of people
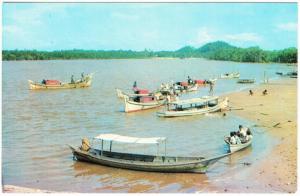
[81, 80]
[243, 135]
[265, 92]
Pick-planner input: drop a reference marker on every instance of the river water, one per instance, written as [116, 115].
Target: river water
[38, 125]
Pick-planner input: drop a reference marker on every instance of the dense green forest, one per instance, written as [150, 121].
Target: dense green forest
[216, 51]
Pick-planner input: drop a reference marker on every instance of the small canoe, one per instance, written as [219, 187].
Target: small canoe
[230, 75]
[236, 147]
[246, 81]
[84, 83]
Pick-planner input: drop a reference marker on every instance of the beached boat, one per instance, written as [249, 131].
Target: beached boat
[230, 75]
[246, 81]
[195, 106]
[293, 74]
[236, 147]
[137, 103]
[140, 162]
[86, 81]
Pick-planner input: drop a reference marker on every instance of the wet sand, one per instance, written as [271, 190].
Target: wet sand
[277, 114]
[18, 189]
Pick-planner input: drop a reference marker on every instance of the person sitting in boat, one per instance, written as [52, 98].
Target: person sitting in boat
[232, 138]
[242, 130]
[43, 81]
[249, 135]
[237, 138]
[72, 79]
[85, 145]
[190, 81]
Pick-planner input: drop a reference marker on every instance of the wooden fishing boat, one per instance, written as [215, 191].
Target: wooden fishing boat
[140, 162]
[236, 147]
[230, 75]
[121, 94]
[246, 81]
[195, 106]
[138, 103]
[85, 82]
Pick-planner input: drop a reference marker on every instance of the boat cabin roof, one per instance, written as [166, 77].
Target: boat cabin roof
[194, 100]
[127, 139]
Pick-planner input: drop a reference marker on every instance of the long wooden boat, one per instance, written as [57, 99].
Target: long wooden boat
[121, 94]
[236, 147]
[141, 162]
[246, 81]
[230, 75]
[195, 106]
[133, 104]
[83, 83]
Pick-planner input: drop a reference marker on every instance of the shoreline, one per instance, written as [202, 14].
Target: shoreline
[155, 58]
[277, 114]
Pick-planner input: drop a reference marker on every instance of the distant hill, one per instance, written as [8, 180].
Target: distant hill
[218, 50]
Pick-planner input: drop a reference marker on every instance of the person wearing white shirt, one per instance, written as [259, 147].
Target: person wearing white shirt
[249, 135]
[232, 138]
[242, 130]
[237, 139]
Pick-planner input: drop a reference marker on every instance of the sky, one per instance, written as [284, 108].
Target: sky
[152, 26]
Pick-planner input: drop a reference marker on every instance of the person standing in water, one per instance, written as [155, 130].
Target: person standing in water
[72, 79]
[211, 88]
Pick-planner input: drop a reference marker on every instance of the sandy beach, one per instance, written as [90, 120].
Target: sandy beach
[276, 112]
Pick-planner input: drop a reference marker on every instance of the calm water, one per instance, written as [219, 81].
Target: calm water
[37, 125]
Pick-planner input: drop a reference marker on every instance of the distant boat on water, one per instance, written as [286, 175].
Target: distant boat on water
[84, 82]
[246, 81]
[230, 75]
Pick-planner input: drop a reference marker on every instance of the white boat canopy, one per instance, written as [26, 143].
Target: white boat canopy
[194, 100]
[126, 139]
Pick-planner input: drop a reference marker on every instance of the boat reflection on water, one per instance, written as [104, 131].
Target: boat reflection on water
[122, 180]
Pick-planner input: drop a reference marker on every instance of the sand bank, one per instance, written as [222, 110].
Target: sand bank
[277, 114]
[18, 189]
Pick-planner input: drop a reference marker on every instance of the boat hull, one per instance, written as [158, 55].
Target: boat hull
[77, 84]
[229, 76]
[194, 111]
[160, 163]
[132, 106]
[237, 147]
[246, 81]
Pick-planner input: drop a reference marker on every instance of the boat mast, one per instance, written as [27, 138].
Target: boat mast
[101, 147]
[110, 146]
[165, 147]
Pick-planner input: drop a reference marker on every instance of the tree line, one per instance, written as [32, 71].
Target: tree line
[216, 51]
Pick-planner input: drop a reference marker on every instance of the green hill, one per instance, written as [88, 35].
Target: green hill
[218, 50]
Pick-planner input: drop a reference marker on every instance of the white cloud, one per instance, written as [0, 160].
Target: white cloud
[12, 29]
[243, 37]
[203, 36]
[290, 26]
